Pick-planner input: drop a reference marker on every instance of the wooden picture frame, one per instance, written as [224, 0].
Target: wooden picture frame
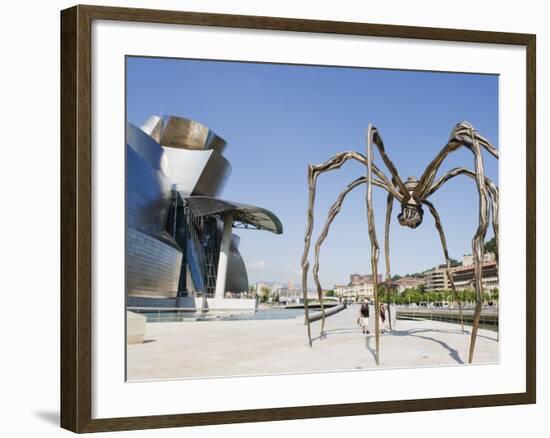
[76, 217]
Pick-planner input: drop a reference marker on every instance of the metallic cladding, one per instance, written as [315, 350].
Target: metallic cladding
[189, 134]
[237, 277]
[246, 214]
[153, 258]
[198, 172]
[174, 172]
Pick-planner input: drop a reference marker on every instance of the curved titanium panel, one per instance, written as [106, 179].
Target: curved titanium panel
[235, 241]
[153, 258]
[152, 266]
[198, 172]
[237, 277]
[246, 214]
[188, 134]
[153, 127]
[147, 148]
[147, 195]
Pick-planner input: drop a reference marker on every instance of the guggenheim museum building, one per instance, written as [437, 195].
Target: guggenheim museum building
[179, 230]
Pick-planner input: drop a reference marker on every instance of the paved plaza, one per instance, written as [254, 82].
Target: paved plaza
[253, 347]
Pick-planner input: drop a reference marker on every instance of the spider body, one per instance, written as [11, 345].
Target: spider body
[411, 215]
[411, 212]
[412, 194]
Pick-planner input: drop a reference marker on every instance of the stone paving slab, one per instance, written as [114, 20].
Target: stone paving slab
[255, 347]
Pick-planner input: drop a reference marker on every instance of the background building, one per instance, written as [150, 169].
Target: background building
[463, 275]
[356, 279]
[436, 279]
[359, 287]
[355, 293]
[433, 280]
[404, 283]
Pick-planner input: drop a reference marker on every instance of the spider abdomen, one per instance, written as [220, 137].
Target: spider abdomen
[411, 215]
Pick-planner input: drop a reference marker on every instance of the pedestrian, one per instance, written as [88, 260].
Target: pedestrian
[364, 316]
[382, 317]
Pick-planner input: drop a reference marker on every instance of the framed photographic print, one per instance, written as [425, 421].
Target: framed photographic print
[261, 214]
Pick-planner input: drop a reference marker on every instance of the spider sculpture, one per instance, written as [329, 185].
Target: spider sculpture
[412, 194]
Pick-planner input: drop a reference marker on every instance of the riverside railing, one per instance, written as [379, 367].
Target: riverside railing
[489, 315]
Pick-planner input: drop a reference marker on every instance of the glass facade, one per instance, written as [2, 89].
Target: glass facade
[200, 239]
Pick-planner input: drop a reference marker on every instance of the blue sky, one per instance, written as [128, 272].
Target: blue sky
[277, 119]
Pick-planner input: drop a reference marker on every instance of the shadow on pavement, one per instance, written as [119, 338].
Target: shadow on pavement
[367, 345]
[452, 352]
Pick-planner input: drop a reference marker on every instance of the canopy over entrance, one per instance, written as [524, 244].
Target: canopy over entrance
[244, 216]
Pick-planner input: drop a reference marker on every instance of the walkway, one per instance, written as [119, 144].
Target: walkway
[225, 348]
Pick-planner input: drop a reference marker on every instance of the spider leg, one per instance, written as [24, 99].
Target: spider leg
[313, 172]
[463, 134]
[439, 227]
[493, 193]
[486, 189]
[376, 139]
[375, 249]
[332, 213]
[478, 241]
[311, 177]
[389, 207]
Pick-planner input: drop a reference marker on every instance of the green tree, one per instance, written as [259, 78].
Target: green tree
[329, 293]
[264, 294]
[491, 246]
[433, 297]
[467, 296]
[415, 296]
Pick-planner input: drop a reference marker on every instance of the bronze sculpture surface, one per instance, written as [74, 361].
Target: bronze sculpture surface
[412, 195]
